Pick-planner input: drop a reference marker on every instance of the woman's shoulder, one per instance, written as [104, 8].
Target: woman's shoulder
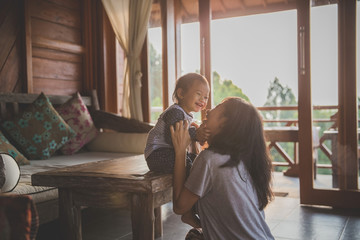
[212, 157]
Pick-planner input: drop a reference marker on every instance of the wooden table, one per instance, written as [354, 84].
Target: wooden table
[118, 183]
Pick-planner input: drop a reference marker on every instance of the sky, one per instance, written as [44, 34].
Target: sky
[253, 50]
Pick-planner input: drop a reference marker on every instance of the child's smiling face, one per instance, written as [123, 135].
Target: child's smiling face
[195, 98]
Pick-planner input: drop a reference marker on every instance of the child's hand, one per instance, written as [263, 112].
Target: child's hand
[202, 134]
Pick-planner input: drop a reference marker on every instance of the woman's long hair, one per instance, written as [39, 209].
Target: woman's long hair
[242, 136]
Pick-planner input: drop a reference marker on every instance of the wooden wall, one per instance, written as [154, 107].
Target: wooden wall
[59, 47]
[12, 72]
[54, 43]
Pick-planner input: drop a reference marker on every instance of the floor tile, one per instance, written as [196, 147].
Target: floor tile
[287, 219]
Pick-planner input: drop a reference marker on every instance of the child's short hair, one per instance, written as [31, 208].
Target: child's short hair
[185, 82]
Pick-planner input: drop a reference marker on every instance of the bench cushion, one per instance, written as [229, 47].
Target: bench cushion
[119, 142]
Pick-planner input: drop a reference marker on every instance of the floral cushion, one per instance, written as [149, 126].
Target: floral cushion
[6, 147]
[39, 131]
[76, 114]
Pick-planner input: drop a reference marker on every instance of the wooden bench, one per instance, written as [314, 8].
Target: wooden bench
[13, 103]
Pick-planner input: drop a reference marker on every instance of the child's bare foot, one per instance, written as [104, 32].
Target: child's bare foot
[191, 219]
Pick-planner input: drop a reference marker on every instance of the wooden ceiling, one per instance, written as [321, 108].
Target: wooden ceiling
[229, 8]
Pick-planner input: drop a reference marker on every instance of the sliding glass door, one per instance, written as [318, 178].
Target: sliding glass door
[328, 104]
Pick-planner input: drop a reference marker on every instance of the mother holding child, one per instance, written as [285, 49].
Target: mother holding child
[229, 183]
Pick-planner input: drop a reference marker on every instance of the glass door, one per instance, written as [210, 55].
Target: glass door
[328, 138]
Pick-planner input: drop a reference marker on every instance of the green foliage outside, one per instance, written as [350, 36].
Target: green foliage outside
[225, 88]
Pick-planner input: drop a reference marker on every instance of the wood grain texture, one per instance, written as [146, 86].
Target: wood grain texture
[55, 55]
[52, 69]
[55, 31]
[142, 217]
[12, 72]
[56, 87]
[54, 13]
[129, 174]
[71, 4]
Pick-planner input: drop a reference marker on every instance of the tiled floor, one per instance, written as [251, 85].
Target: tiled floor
[285, 216]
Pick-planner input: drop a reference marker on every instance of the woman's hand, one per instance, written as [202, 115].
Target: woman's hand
[180, 136]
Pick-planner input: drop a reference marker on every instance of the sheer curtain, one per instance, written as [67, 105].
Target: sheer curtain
[129, 19]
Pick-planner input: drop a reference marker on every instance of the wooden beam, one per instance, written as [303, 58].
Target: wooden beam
[168, 49]
[347, 114]
[89, 58]
[178, 22]
[145, 98]
[205, 45]
[305, 104]
[28, 48]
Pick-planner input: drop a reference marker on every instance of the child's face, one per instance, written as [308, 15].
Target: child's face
[195, 99]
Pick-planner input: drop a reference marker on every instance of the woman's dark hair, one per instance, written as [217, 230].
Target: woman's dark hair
[185, 82]
[242, 136]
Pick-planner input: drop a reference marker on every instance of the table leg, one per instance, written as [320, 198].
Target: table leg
[69, 216]
[158, 222]
[142, 216]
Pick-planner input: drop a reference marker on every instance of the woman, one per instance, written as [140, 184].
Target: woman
[230, 182]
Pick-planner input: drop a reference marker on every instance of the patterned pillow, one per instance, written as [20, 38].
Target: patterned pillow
[76, 114]
[39, 131]
[6, 147]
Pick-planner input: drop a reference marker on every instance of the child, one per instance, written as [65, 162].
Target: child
[190, 95]
[230, 182]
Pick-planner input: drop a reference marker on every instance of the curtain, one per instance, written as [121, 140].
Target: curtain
[129, 19]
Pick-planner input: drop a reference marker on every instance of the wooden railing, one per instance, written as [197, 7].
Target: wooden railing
[283, 127]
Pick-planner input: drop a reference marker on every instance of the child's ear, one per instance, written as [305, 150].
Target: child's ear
[180, 93]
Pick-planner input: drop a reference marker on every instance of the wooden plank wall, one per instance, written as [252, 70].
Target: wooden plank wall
[11, 46]
[54, 46]
[59, 47]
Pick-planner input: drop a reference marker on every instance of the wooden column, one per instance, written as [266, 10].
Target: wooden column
[89, 39]
[145, 96]
[28, 48]
[108, 77]
[305, 104]
[205, 56]
[347, 114]
[178, 22]
[168, 50]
